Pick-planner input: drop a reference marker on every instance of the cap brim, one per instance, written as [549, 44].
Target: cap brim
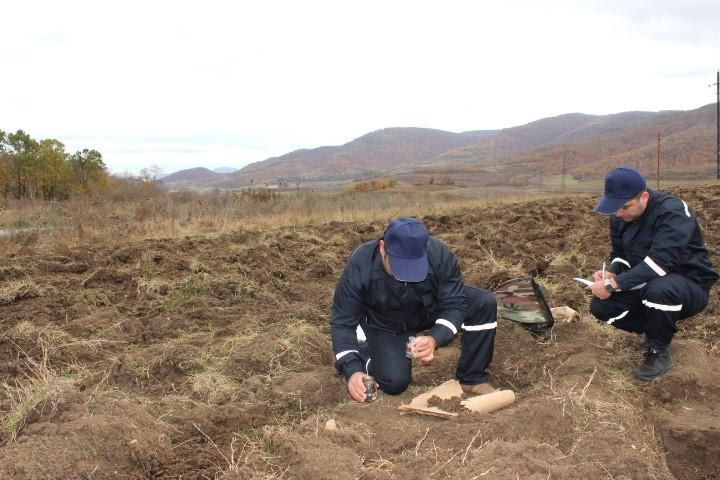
[608, 205]
[409, 270]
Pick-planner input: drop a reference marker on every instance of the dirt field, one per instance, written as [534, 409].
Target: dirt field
[210, 358]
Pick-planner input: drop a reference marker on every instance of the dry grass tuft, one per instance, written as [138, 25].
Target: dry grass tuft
[251, 455]
[299, 343]
[39, 390]
[19, 290]
[377, 467]
[149, 289]
[43, 337]
[212, 386]
[497, 265]
[238, 342]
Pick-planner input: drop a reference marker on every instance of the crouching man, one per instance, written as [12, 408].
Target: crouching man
[395, 287]
[660, 271]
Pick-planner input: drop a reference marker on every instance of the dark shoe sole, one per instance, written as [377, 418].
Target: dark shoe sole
[479, 389]
[657, 375]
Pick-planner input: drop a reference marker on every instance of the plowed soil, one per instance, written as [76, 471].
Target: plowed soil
[204, 358]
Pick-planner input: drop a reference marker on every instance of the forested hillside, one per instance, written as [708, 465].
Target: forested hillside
[588, 145]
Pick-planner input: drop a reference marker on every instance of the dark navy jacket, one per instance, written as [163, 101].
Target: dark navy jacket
[366, 293]
[666, 238]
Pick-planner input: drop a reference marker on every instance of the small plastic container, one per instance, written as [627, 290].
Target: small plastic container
[408, 347]
[371, 390]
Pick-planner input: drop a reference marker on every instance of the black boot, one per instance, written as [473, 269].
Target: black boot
[657, 362]
[645, 343]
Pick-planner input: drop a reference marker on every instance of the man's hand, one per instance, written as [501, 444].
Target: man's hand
[356, 387]
[424, 348]
[598, 289]
[597, 276]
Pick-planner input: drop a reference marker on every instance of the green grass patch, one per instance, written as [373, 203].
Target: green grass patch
[12, 422]
[195, 286]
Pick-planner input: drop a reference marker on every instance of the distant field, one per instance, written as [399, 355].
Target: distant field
[155, 214]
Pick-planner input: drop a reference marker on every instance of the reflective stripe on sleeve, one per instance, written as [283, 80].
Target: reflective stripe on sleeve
[476, 328]
[620, 260]
[665, 308]
[656, 268]
[687, 210]
[447, 324]
[622, 315]
[360, 334]
[342, 354]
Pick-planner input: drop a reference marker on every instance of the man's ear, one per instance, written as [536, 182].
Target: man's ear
[382, 247]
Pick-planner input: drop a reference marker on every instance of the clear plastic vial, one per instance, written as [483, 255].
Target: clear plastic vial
[371, 390]
[408, 347]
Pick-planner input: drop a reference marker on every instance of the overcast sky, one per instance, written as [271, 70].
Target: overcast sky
[183, 84]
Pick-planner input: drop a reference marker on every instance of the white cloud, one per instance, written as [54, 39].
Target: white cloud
[185, 84]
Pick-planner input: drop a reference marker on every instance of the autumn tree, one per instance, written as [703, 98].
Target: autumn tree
[4, 164]
[22, 152]
[150, 174]
[89, 168]
[55, 171]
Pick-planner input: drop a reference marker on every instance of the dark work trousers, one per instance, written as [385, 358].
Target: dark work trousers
[384, 352]
[654, 309]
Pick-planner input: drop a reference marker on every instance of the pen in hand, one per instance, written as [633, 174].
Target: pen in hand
[602, 271]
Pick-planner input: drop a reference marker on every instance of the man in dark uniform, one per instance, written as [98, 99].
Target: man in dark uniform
[404, 283]
[660, 271]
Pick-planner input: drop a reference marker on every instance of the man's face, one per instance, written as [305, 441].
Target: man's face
[385, 259]
[633, 208]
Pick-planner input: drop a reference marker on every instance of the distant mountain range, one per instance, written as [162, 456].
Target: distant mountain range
[196, 174]
[589, 145]
[225, 170]
[586, 145]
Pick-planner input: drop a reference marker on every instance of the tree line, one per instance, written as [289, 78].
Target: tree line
[32, 168]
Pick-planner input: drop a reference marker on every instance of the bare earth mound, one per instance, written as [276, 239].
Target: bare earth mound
[202, 358]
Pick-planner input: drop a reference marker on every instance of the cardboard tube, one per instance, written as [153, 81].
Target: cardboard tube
[564, 314]
[489, 402]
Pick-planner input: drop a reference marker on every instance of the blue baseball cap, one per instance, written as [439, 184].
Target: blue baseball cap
[621, 185]
[406, 245]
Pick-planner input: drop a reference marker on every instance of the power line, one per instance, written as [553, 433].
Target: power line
[717, 120]
[658, 161]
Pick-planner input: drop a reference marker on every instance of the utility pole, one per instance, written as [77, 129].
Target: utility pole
[495, 152]
[562, 178]
[658, 161]
[717, 120]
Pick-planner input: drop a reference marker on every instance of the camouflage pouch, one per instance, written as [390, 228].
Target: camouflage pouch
[521, 300]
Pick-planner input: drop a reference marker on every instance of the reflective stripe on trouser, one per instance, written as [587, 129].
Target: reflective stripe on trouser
[392, 370]
[653, 310]
[478, 336]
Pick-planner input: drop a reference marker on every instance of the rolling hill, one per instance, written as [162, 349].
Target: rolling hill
[584, 145]
[199, 174]
[381, 151]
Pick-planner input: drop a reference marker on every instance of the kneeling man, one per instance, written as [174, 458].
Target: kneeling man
[395, 287]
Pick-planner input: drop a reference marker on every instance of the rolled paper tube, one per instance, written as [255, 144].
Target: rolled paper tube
[565, 314]
[489, 402]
